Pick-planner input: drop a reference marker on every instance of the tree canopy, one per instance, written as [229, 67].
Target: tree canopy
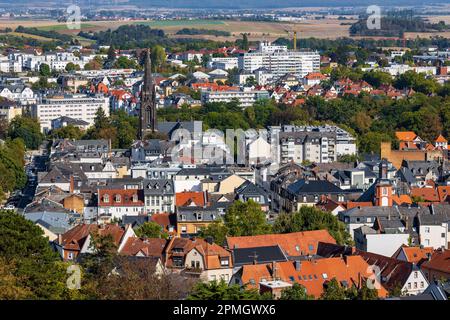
[311, 218]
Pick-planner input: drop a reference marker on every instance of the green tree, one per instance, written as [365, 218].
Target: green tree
[363, 293]
[37, 268]
[371, 141]
[244, 45]
[67, 132]
[151, 230]
[215, 290]
[27, 129]
[333, 291]
[72, 67]
[158, 55]
[125, 63]
[296, 292]
[216, 230]
[111, 54]
[311, 218]
[246, 219]
[44, 70]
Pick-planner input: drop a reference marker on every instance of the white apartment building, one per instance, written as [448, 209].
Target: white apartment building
[77, 106]
[224, 63]
[279, 61]
[10, 66]
[321, 144]
[246, 96]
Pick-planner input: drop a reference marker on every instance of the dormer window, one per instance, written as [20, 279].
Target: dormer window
[135, 198]
[105, 198]
[199, 216]
[117, 198]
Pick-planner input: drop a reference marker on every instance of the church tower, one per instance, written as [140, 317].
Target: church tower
[147, 112]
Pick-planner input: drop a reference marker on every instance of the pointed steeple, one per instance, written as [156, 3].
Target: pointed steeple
[148, 100]
[148, 79]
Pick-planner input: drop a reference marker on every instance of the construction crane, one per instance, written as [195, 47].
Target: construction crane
[294, 32]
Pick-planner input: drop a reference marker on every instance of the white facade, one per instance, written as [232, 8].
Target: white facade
[416, 283]
[281, 62]
[247, 97]
[381, 243]
[436, 236]
[224, 63]
[81, 107]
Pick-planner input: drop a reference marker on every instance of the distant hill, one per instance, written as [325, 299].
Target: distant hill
[237, 4]
[232, 4]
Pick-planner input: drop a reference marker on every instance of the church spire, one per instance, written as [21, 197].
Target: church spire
[147, 112]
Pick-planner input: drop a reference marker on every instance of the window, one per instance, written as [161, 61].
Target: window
[324, 275]
[224, 262]
[117, 198]
[183, 229]
[427, 229]
[409, 285]
[106, 198]
[291, 278]
[415, 285]
[70, 256]
[421, 284]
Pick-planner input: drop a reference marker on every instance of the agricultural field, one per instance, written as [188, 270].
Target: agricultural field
[330, 27]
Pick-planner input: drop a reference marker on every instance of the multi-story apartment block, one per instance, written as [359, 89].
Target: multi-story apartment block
[246, 96]
[78, 106]
[159, 196]
[314, 144]
[280, 61]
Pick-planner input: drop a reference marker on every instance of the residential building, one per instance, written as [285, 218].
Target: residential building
[77, 106]
[115, 203]
[246, 96]
[280, 61]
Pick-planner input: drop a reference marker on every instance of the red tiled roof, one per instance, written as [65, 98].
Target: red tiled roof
[312, 274]
[405, 135]
[186, 198]
[440, 139]
[440, 261]
[415, 255]
[151, 247]
[428, 194]
[443, 192]
[75, 237]
[293, 244]
[120, 197]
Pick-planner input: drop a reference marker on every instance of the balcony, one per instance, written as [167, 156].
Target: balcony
[193, 271]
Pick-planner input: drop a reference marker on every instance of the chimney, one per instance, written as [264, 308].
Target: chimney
[297, 265]
[274, 270]
[72, 184]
